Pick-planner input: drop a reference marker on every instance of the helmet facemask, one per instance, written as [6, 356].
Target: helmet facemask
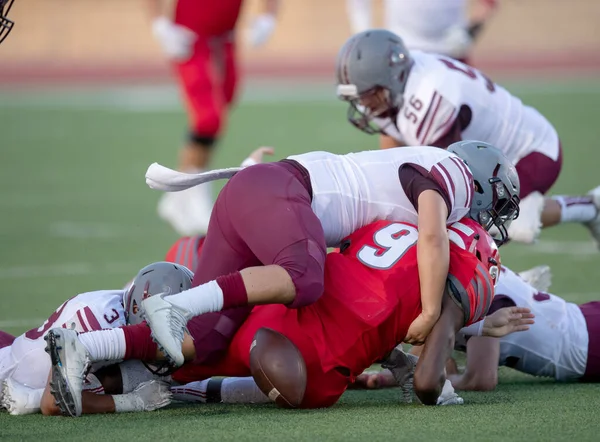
[6, 25]
[377, 103]
[503, 210]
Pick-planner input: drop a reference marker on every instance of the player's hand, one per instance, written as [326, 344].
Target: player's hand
[261, 29]
[420, 329]
[507, 320]
[177, 41]
[458, 41]
[259, 153]
[152, 395]
[256, 157]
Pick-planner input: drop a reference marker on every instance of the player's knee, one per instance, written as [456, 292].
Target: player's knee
[197, 139]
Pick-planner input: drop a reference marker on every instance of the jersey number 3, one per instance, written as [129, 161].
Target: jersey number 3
[392, 243]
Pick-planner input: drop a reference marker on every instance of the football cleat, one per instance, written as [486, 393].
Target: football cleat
[167, 323]
[70, 363]
[594, 225]
[402, 365]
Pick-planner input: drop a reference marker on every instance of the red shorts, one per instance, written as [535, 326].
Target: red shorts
[591, 313]
[208, 82]
[538, 173]
[323, 388]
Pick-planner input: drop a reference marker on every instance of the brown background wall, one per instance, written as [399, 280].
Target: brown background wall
[115, 34]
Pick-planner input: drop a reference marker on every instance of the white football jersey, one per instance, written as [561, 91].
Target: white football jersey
[556, 345]
[436, 90]
[353, 190]
[424, 24]
[29, 364]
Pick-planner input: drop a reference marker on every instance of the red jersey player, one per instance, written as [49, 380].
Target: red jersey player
[198, 37]
[371, 298]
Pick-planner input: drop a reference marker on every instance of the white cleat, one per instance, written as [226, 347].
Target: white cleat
[70, 363]
[526, 228]
[594, 225]
[539, 277]
[449, 396]
[19, 399]
[167, 323]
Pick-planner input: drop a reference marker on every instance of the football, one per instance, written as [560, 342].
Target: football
[278, 368]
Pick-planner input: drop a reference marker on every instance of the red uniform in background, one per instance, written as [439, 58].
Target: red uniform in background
[364, 313]
[208, 79]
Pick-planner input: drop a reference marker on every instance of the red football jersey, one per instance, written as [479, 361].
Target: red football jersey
[208, 18]
[372, 295]
[186, 251]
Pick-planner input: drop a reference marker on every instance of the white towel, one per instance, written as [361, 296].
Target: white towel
[168, 180]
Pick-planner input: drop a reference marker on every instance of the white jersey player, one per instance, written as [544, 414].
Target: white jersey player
[417, 98]
[359, 188]
[439, 26]
[564, 342]
[25, 365]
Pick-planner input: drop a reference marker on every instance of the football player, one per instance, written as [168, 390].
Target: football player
[198, 37]
[25, 366]
[371, 298]
[439, 26]
[417, 98]
[6, 25]
[271, 248]
[564, 343]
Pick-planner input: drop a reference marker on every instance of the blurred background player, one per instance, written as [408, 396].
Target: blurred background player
[6, 25]
[439, 26]
[198, 37]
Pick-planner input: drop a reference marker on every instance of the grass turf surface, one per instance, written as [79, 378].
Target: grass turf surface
[77, 216]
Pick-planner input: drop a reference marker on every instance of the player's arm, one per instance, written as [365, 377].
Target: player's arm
[481, 371]
[433, 252]
[429, 375]
[263, 25]
[176, 41]
[483, 353]
[483, 10]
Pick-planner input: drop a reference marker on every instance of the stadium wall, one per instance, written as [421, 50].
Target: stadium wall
[111, 40]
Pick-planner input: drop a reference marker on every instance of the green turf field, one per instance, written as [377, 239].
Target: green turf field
[77, 216]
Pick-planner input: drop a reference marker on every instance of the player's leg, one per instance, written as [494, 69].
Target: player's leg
[591, 314]
[537, 174]
[201, 80]
[265, 210]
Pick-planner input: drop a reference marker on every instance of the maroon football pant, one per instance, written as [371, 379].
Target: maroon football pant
[538, 173]
[262, 216]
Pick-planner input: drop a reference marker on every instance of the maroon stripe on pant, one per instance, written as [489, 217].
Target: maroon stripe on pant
[591, 313]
